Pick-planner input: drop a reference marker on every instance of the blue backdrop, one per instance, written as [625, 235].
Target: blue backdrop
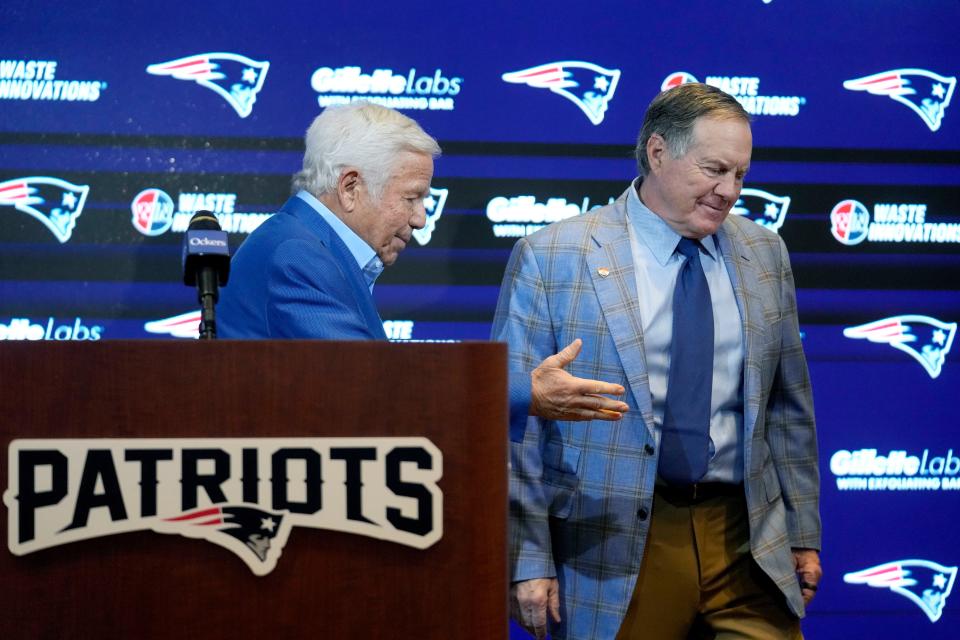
[118, 122]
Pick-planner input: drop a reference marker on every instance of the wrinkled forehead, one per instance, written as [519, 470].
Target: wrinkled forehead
[411, 166]
[729, 136]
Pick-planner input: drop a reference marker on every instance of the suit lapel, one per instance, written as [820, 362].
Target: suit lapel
[354, 276]
[746, 284]
[611, 266]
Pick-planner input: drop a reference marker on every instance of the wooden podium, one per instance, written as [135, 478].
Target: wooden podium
[328, 583]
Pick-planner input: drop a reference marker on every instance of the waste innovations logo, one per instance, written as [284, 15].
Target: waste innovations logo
[54, 202]
[519, 216]
[36, 80]
[243, 494]
[925, 339]
[154, 212]
[587, 85]
[408, 90]
[433, 205]
[762, 207]
[898, 470]
[49, 329]
[235, 78]
[746, 89]
[926, 93]
[924, 583]
[851, 224]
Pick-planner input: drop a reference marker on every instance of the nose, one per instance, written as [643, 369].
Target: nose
[419, 218]
[728, 187]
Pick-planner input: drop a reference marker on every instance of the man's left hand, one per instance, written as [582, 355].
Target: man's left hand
[807, 562]
[557, 395]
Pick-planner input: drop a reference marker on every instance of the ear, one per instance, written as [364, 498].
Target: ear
[348, 188]
[656, 152]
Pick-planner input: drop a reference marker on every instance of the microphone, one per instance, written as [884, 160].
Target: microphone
[206, 263]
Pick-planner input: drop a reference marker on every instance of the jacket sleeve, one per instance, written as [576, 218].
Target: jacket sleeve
[791, 426]
[522, 320]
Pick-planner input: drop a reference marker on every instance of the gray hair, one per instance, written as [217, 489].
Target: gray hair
[673, 113]
[362, 135]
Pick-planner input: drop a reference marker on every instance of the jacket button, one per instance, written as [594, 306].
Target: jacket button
[648, 449]
[642, 514]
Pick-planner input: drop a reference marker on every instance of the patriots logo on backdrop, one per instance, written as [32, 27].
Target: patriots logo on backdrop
[54, 202]
[252, 530]
[585, 84]
[433, 203]
[926, 93]
[237, 79]
[927, 340]
[926, 584]
[185, 325]
[762, 207]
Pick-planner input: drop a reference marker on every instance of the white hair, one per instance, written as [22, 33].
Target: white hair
[362, 135]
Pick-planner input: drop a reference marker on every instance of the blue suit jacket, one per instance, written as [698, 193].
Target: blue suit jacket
[295, 278]
[576, 488]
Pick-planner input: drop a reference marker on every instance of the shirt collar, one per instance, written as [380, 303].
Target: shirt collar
[367, 259]
[653, 231]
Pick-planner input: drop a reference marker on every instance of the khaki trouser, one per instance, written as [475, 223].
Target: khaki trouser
[699, 581]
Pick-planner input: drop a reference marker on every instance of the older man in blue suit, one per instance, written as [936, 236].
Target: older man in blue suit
[696, 516]
[309, 271]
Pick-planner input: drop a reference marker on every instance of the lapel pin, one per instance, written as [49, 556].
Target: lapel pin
[603, 271]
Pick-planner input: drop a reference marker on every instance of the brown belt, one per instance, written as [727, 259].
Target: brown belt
[697, 492]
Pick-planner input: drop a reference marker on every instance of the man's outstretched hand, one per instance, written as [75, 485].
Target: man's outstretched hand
[557, 395]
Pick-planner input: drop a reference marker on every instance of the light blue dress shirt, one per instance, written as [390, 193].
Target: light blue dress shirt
[367, 259]
[657, 265]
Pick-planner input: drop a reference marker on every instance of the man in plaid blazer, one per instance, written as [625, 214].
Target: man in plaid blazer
[601, 546]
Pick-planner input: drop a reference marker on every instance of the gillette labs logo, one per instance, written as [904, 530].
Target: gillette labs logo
[520, 216]
[26, 329]
[865, 470]
[410, 91]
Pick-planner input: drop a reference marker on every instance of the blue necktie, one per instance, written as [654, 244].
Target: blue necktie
[685, 441]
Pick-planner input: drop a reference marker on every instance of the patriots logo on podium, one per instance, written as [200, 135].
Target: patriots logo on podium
[926, 93]
[433, 204]
[762, 207]
[585, 84]
[54, 202]
[243, 530]
[237, 79]
[926, 584]
[927, 340]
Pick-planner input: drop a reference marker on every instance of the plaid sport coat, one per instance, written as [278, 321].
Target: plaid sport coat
[578, 491]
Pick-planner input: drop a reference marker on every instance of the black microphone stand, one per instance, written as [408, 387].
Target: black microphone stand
[206, 264]
[207, 292]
